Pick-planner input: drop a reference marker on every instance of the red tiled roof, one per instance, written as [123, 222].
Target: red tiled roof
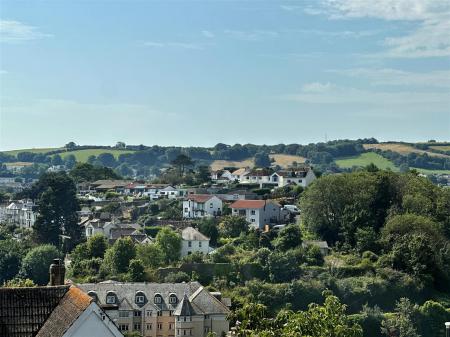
[248, 204]
[199, 197]
[71, 306]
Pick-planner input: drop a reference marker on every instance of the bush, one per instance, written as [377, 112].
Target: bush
[177, 277]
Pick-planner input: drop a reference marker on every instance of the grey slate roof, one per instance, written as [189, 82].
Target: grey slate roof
[191, 234]
[200, 299]
[185, 308]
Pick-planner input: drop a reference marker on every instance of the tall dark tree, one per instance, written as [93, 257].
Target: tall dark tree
[57, 222]
[181, 162]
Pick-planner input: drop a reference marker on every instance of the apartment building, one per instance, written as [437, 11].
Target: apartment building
[161, 309]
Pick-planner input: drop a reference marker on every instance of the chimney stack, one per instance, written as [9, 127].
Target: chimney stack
[57, 273]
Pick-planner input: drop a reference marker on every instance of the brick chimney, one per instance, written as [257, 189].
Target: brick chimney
[57, 273]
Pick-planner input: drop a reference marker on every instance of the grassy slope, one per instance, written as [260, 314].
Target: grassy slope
[83, 155]
[365, 159]
[441, 147]
[283, 160]
[36, 150]
[425, 171]
[401, 148]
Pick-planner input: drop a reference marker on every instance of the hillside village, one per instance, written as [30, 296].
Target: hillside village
[195, 251]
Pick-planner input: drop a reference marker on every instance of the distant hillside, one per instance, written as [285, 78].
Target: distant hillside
[330, 157]
[283, 160]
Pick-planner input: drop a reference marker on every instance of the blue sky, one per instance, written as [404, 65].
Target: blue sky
[203, 72]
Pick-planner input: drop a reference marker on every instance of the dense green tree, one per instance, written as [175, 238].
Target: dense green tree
[181, 162]
[57, 210]
[262, 160]
[416, 245]
[97, 245]
[177, 277]
[136, 270]
[119, 255]
[289, 237]
[208, 227]
[150, 254]
[10, 258]
[170, 244]
[401, 323]
[87, 172]
[70, 161]
[318, 321]
[232, 226]
[57, 160]
[107, 159]
[36, 263]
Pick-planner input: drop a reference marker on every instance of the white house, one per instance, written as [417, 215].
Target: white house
[194, 241]
[257, 212]
[259, 176]
[240, 174]
[201, 205]
[21, 213]
[302, 177]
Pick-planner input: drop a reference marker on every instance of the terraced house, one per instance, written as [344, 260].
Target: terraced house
[162, 309]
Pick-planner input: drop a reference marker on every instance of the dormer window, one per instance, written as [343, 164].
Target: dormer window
[140, 298]
[110, 298]
[173, 299]
[93, 294]
[158, 299]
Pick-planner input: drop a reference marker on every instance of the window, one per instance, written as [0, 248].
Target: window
[186, 209]
[149, 313]
[173, 299]
[189, 244]
[253, 220]
[124, 313]
[89, 231]
[110, 299]
[171, 326]
[199, 243]
[159, 313]
[148, 326]
[137, 313]
[137, 326]
[140, 299]
[253, 212]
[158, 299]
[210, 205]
[123, 327]
[159, 326]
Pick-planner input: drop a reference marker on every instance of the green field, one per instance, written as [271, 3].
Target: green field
[83, 155]
[35, 150]
[365, 159]
[425, 171]
[441, 147]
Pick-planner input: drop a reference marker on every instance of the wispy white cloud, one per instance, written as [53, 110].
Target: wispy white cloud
[12, 31]
[389, 76]
[179, 45]
[3, 72]
[251, 35]
[208, 34]
[430, 39]
[316, 87]
[339, 33]
[327, 93]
